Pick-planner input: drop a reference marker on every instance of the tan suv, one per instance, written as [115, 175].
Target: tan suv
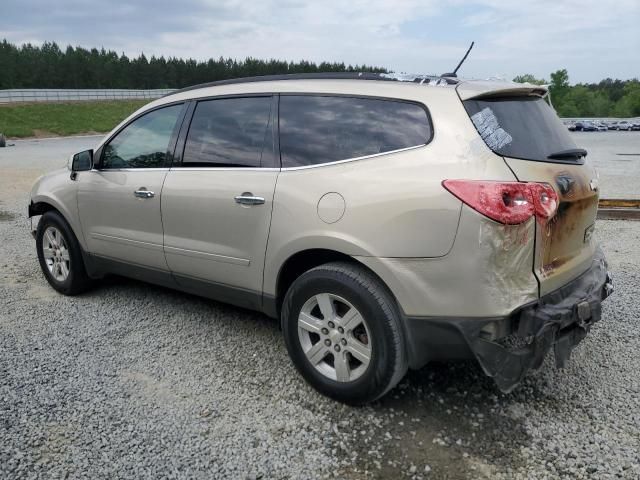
[386, 222]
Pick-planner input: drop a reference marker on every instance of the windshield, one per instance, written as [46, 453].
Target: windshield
[520, 127]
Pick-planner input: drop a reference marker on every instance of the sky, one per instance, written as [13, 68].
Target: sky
[592, 39]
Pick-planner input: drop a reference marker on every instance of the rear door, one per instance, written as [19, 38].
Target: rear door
[217, 203]
[525, 130]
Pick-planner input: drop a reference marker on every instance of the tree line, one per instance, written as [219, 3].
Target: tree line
[48, 66]
[607, 98]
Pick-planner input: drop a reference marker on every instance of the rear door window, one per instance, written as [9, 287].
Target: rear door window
[318, 129]
[229, 132]
[519, 127]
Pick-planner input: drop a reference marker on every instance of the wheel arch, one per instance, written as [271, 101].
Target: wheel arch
[304, 260]
[40, 206]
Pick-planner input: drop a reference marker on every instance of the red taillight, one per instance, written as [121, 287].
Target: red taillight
[545, 199]
[506, 202]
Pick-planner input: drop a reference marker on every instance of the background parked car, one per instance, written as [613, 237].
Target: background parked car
[602, 127]
[585, 127]
[613, 126]
[625, 125]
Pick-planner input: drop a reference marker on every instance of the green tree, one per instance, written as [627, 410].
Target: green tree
[559, 86]
[580, 96]
[601, 104]
[632, 97]
[47, 66]
[529, 78]
[568, 109]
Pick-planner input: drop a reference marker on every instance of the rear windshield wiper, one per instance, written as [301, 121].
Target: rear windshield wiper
[570, 153]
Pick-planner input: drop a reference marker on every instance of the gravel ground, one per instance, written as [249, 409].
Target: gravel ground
[136, 381]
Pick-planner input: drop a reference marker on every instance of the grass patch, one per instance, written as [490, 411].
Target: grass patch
[41, 119]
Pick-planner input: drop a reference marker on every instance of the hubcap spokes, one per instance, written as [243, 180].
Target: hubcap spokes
[56, 254]
[334, 337]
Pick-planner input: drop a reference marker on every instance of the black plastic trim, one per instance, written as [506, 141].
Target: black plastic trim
[32, 210]
[173, 141]
[240, 297]
[274, 122]
[270, 306]
[182, 135]
[99, 266]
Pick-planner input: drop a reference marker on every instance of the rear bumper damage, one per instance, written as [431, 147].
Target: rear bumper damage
[508, 347]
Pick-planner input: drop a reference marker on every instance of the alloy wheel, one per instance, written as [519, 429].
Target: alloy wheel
[334, 337]
[56, 254]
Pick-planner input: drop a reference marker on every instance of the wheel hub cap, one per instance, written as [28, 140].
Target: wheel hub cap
[334, 337]
[56, 254]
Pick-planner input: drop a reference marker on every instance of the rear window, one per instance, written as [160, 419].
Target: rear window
[519, 127]
[321, 129]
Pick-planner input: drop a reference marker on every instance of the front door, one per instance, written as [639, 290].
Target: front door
[216, 205]
[119, 200]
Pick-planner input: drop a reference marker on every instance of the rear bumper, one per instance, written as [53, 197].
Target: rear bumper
[508, 347]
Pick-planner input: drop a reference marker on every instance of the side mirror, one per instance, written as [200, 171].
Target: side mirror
[82, 161]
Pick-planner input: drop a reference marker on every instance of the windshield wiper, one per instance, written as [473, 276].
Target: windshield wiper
[570, 153]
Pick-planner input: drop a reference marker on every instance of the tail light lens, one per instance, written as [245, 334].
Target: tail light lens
[506, 202]
[545, 199]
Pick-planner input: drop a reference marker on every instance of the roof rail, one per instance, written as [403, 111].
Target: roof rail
[388, 77]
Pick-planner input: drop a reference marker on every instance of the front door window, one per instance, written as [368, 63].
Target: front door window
[144, 142]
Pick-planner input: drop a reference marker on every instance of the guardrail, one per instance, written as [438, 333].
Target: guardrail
[26, 95]
[619, 209]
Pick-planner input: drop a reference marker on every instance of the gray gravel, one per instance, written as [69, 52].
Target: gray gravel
[136, 381]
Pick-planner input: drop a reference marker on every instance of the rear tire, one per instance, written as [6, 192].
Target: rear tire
[356, 364]
[60, 255]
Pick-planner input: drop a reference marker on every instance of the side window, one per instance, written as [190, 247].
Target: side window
[229, 132]
[144, 142]
[321, 129]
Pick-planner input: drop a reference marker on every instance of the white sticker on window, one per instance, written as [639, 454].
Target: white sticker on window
[490, 131]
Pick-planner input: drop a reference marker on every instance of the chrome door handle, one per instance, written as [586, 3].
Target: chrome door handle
[144, 193]
[248, 198]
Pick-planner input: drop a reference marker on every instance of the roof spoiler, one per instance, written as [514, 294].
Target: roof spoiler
[487, 89]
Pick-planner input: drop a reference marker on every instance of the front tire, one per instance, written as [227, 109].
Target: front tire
[60, 255]
[343, 332]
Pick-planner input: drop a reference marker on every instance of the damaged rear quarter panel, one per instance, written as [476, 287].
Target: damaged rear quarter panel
[487, 273]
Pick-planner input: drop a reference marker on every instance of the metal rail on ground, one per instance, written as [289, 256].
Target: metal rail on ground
[619, 209]
[30, 95]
